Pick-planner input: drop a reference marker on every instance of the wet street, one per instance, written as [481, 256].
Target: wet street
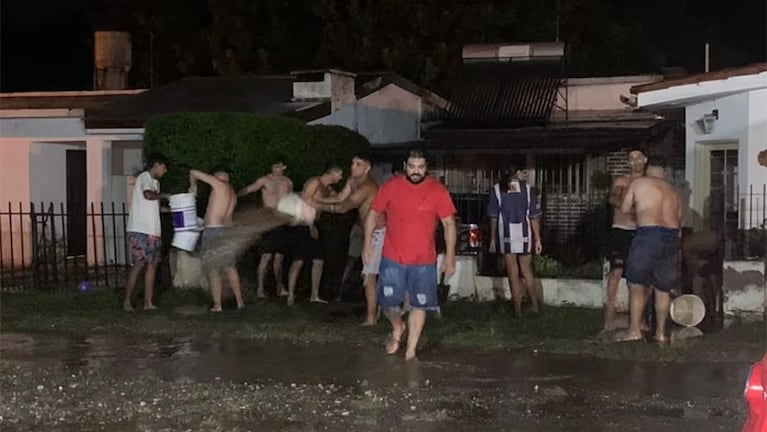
[105, 382]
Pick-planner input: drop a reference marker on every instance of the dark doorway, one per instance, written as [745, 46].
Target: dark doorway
[723, 208]
[76, 202]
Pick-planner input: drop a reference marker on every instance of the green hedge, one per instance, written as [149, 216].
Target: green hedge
[247, 144]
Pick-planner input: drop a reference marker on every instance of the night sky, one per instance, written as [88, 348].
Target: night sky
[47, 44]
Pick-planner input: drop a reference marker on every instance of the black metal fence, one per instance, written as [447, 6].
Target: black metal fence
[575, 227]
[45, 246]
[745, 232]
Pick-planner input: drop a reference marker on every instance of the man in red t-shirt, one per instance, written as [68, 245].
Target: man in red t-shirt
[411, 203]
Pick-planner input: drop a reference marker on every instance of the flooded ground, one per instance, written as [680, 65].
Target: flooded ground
[104, 381]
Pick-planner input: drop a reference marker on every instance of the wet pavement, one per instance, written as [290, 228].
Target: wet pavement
[337, 387]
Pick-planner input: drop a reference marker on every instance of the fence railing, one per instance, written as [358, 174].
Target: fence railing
[47, 246]
[745, 231]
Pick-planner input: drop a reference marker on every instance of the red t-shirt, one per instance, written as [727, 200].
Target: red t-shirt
[412, 212]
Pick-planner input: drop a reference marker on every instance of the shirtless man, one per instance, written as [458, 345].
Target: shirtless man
[218, 216]
[273, 187]
[358, 193]
[306, 243]
[652, 259]
[622, 233]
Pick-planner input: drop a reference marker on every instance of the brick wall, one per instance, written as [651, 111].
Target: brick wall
[562, 213]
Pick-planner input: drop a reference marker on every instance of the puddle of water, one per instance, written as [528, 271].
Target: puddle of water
[191, 359]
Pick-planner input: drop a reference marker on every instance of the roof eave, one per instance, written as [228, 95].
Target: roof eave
[685, 94]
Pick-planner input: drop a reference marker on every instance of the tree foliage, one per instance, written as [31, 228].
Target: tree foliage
[420, 39]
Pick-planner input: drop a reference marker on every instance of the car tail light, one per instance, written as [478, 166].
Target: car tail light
[475, 238]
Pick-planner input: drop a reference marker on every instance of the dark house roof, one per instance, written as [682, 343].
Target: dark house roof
[85, 100]
[503, 94]
[266, 95]
[584, 131]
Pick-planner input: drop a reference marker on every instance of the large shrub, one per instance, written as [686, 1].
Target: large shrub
[247, 144]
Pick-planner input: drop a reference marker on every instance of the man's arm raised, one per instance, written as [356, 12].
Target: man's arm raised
[339, 197]
[253, 187]
[351, 202]
[196, 175]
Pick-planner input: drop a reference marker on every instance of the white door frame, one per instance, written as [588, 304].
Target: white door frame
[702, 177]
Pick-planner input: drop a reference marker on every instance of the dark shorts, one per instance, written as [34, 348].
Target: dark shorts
[652, 259]
[418, 282]
[145, 248]
[620, 243]
[276, 241]
[210, 237]
[303, 246]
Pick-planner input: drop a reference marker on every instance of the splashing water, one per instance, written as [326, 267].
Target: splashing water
[249, 225]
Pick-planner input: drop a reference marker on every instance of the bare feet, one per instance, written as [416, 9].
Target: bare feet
[282, 291]
[318, 300]
[148, 307]
[392, 345]
[369, 323]
[410, 357]
[127, 306]
[216, 309]
[661, 340]
[260, 294]
[291, 300]
[628, 337]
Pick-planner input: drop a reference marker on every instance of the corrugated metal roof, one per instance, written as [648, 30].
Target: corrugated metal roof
[509, 94]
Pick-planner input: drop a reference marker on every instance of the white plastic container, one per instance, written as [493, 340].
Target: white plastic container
[183, 210]
[687, 310]
[185, 240]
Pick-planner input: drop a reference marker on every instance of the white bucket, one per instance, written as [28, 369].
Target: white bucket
[687, 310]
[183, 211]
[185, 240]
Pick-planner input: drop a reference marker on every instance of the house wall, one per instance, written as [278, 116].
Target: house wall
[601, 93]
[389, 115]
[48, 171]
[742, 120]
[14, 197]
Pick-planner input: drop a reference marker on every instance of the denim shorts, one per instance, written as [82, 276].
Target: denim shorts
[419, 282]
[652, 258]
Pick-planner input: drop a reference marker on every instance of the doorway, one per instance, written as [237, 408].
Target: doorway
[76, 202]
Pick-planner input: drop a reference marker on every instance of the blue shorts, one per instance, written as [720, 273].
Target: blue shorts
[419, 282]
[652, 258]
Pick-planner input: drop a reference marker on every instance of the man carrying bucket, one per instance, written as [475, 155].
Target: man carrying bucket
[218, 217]
[144, 231]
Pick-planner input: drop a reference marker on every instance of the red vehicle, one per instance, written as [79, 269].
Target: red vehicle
[756, 397]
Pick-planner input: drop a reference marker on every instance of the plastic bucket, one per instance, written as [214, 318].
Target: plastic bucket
[687, 310]
[185, 240]
[183, 211]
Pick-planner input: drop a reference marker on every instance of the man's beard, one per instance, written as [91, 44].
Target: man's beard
[418, 178]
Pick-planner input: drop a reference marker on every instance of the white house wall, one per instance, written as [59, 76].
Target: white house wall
[742, 120]
[757, 139]
[41, 128]
[389, 115]
[730, 128]
[48, 171]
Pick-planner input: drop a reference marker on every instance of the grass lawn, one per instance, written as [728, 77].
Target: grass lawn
[477, 326]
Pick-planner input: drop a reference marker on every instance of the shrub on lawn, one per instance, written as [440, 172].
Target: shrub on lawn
[247, 144]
